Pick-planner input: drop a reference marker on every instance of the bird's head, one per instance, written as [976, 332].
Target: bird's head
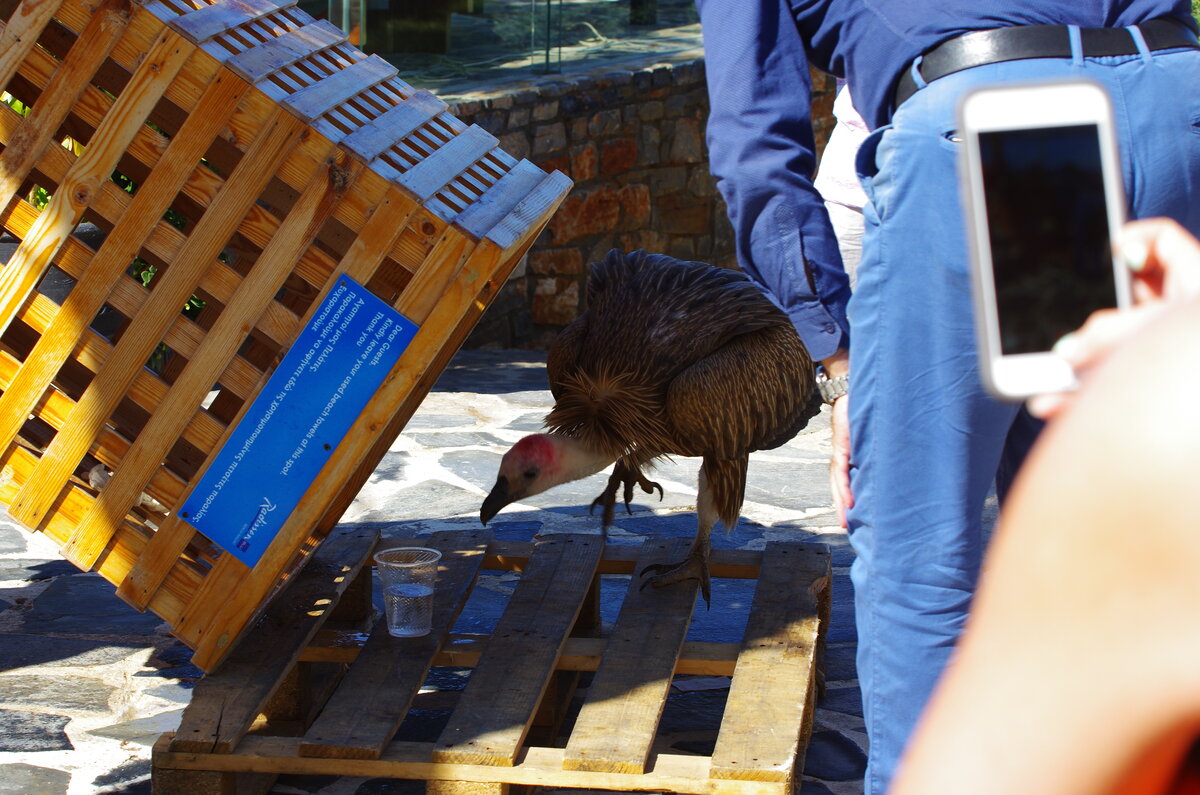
[537, 463]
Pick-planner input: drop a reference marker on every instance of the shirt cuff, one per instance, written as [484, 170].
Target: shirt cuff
[819, 329]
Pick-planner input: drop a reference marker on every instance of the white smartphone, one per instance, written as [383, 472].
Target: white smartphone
[1043, 199]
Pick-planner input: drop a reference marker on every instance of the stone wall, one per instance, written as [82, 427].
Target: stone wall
[633, 142]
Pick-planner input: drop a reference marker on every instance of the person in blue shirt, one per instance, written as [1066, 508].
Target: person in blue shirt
[917, 444]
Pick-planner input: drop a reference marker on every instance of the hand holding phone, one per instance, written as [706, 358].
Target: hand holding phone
[1043, 199]
[1165, 262]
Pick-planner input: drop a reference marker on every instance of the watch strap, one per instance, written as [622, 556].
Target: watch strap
[832, 388]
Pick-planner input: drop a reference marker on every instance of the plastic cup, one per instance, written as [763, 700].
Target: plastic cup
[407, 575]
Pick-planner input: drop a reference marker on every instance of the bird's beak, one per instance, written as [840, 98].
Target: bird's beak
[496, 500]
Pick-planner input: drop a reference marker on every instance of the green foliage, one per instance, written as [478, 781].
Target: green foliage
[39, 197]
[14, 103]
[175, 219]
[124, 183]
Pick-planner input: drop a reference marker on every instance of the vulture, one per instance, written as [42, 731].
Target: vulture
[670, 358]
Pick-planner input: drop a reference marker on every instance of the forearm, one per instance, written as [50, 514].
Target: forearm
[762, 153]
[838, 364]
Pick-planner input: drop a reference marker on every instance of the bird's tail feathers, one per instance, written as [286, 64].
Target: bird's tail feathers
[609, 412]
[726, 481]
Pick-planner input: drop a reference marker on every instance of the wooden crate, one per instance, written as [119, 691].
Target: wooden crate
[234, 736]
[243, 155]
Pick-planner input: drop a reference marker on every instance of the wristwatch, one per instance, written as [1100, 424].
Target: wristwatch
[832, 388]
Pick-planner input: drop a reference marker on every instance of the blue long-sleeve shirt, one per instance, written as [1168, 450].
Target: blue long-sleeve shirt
[760, 137]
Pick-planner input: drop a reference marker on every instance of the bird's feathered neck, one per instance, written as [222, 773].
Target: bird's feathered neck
[616, 413]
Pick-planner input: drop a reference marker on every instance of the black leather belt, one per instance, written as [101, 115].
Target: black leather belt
[1038, 41]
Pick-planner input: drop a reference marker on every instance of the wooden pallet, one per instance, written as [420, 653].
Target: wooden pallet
[259, 157]
[225, 743]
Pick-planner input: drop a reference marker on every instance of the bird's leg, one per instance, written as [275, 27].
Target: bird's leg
[608, 499]
[646, 484]
[695, 565]
[625, 475]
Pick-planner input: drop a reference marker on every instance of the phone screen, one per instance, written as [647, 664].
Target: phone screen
[1048, 229]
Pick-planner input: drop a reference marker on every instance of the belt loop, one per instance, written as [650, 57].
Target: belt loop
[1076, 39]
[914, 71]
[1139, 39]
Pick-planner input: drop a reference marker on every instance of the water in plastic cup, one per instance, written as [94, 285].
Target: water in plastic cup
[409, 607]
[407, 575]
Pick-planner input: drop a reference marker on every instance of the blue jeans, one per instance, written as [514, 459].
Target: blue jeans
[928, 443]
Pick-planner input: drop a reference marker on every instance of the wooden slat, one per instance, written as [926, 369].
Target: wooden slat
[21, 32]
[118, 250]
[509, 231]
[699, 658]
[373, 139]
[318, 99]
[429, 283]
[171, 291]
[260, 61]
[362, 716]
[439, 169]
[47, 114]
[773, 681]
[617, 724]
[360, 262]
[410, 760]
[208, 21]
[223, 707]
[498, 705]
[434, 787]
[736, 564]
[500, 199]
[270, 270]
[94, 166]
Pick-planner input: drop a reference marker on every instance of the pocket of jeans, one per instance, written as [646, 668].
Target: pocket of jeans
[866, 163]
[951, 139]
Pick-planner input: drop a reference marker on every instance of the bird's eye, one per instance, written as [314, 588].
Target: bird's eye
[530, 474]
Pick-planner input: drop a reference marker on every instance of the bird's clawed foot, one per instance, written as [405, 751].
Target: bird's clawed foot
[693, 567]
[622, 476]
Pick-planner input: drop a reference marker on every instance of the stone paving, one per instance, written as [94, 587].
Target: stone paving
[87, 684]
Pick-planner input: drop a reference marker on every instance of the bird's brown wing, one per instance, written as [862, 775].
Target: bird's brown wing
[755, 392]
[654, 315]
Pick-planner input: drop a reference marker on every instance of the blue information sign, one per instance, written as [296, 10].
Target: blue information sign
[291, 429]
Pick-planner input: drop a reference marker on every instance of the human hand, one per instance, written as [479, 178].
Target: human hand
[1165, 262]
